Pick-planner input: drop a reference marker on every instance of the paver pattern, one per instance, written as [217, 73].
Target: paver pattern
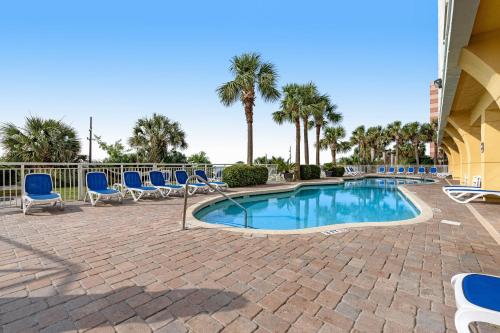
[128, 268]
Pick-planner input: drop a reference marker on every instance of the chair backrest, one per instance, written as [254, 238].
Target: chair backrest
[411, 169]
[157, 178]
[433, 170]
[38, 183]
[381, 169]
[421, 170]
[181, 176]
[97, 181]
[476, 181]
[132, 179]
[201, 173]
[401, 169]
[391, 169]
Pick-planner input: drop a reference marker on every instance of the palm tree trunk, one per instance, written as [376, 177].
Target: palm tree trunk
[318, 133]
[297, 148]
[416, 153]
[249, 116]
[435, 152]
[397, 153]
[334, 154]
[306, 142]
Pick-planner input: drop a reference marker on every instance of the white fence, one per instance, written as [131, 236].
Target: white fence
[69, 178]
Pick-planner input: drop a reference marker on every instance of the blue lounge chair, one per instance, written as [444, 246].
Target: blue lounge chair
[220, 185]
[433, 171]
[97, 188]
[38, 191]
[421, 171]
[466, 195]
[381, 169]
[181, 176]
[391, 170]
[401, 171]
[158, 180]
[410, 171]
[477, 297]
[134, 186]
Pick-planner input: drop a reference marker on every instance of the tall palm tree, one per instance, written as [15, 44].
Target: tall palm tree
[154, 137]
[324, 115]
[412, 132]
[40, 140]
[310, 103]
[373, 141]
[290, 112]
[250, 74]
[358, 137]
[332, 137]
[394, 131]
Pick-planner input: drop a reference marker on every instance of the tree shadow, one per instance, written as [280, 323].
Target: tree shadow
[133, 304]
[63, 308]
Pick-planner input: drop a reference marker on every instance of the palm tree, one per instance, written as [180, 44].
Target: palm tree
[324, 115]
[331, 139]
[290, 112]
[250, 73]
[394, 131]
[153, 137]
[40, 140]
[310, 104]
[373, 141]
[358, 137]
[412, 132]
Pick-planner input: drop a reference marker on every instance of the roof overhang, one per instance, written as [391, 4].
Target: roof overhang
[460, 17]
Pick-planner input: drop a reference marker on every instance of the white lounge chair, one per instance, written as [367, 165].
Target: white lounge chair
[134, 186]
[158, 180]
[477, 297]
[476, 183]
[38, 191]
[217, 184]
[466, 195]
[182, 179]
[97, 188]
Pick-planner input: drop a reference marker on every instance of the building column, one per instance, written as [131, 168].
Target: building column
[454, 166]
[490, 151]
[471, 136]
[461, 159]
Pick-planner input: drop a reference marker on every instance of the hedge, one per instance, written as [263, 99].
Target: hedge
[245, 175]
[310, 172]
[337, 171]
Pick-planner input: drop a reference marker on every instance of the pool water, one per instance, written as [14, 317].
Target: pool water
[366, 200]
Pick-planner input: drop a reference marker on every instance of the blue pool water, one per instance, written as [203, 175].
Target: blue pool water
[367, 200]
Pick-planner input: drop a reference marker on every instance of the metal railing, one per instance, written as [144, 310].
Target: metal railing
[198, 178]
[69, 179]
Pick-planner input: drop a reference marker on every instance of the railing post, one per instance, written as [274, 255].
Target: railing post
[80, 181]
[22, 185]
[121, 174]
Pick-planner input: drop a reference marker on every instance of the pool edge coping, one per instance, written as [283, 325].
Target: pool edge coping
[426, 212]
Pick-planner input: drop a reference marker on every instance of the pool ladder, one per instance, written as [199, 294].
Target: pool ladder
[186, 190]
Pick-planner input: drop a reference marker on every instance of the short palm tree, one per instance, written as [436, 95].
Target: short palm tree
[290, 112]
[40, 140]
[358, 137]
[250, 74]
[154, 137]
[412, 132]
[332, 140]
[326, 114]
[394, 132]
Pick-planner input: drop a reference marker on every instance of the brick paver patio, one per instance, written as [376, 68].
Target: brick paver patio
[128, 268]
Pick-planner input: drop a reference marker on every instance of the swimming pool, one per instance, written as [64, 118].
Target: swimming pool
[309, 206]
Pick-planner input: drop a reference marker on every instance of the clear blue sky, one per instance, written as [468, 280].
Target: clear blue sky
[121, 60]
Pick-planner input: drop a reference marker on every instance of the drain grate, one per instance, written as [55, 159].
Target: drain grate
[333, 232]
[451, 222]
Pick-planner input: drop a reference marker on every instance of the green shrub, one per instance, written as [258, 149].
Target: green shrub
[310, 172]
[241, 175]
[333, 171]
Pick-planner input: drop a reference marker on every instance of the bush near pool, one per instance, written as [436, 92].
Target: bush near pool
[245, 175]
[310, 172]
[333, 171]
